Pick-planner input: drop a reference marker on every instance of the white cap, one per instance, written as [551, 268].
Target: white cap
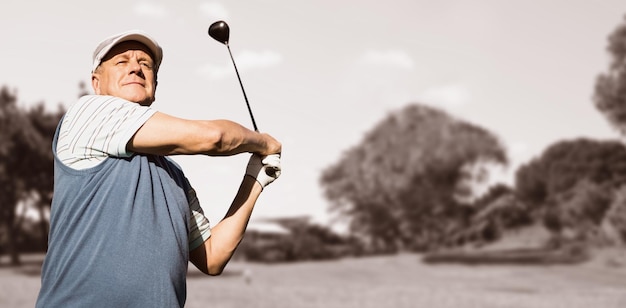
[133, 35]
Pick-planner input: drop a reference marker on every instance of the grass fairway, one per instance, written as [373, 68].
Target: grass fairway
[389, 281]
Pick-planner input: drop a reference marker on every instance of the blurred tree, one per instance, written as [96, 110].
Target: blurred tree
[530, 183]
[493, 193]
[82, 89]
[577, 213]
[25, 162]
[571, 184]
[16, 142]
[610, 98]
[41, 178]
[491, 215]
[610, 89]
[615, 218]
[399, 188]
[562, 165]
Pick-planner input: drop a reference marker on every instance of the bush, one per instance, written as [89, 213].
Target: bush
[304, 242]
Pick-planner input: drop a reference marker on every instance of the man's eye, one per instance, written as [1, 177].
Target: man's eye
[121, 62]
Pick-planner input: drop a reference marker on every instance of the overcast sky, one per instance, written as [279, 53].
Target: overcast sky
[319, 74]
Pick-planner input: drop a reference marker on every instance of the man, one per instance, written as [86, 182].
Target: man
[125, 221]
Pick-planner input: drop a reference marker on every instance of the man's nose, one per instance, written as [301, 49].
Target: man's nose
[135, 67]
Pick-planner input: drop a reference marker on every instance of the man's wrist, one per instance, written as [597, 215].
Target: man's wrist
[250, 178]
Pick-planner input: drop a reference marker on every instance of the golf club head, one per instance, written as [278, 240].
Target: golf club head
[219, 31]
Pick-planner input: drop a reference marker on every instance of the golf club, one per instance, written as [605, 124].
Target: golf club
[220, 31]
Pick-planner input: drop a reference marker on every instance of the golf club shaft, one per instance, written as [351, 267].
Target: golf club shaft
[242, 90]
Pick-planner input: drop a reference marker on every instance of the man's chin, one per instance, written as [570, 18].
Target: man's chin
[140, 99]
[146, 103]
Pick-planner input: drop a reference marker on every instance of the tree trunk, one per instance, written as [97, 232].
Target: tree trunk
[12, 246]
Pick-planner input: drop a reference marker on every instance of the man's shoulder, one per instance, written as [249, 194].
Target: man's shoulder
[100, 104]
[93, 98]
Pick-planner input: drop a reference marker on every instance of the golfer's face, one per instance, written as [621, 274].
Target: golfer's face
[127, 72]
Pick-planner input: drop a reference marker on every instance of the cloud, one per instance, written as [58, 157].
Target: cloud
[149, 9]
[389, 58]
[448, 97]
[246, 60]
[214, 72]
[214, 10]
[250, 59]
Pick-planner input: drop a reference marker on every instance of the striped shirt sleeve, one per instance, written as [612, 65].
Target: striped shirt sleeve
[199, 228]
[97, 127]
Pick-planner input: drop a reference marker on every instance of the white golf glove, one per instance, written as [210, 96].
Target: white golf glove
[264, 169]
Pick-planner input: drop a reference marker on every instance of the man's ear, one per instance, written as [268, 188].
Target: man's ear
[95, 83]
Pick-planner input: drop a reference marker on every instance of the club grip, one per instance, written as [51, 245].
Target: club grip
[271, 172]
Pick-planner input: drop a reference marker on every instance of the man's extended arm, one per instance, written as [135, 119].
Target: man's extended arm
[163, 134]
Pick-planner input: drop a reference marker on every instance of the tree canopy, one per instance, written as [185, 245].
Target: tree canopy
[572, 184]
[565, 163]
[25, 161]
[610, 89]
[399, 187]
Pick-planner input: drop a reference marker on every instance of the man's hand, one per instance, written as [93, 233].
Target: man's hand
[264, 169]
